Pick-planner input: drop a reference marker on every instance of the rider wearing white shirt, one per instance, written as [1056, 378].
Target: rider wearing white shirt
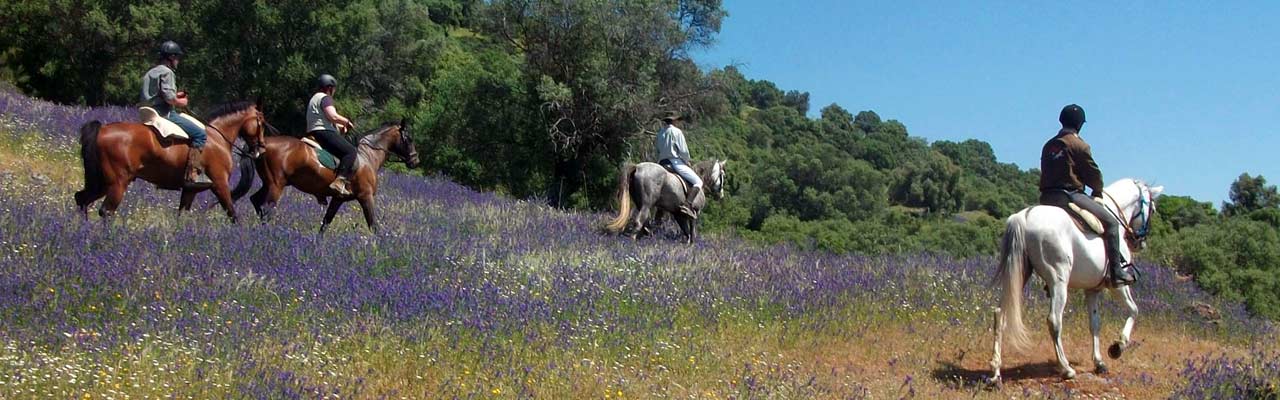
[670, 148]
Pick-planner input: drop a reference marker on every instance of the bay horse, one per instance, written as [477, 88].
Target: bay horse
[1045, 241]
[288, 161]
[117, 153]
[651, 188]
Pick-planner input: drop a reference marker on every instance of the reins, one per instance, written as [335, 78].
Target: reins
[1134, 235]
[243, 152]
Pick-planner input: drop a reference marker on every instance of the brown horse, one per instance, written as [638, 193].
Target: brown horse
[117, 153]
[290, 162]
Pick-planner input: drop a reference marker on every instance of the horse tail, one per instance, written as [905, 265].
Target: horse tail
[624, 201]
[247, 170]
[1011, 278]
[94, 177]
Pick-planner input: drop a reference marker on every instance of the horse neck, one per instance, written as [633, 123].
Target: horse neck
[227, 127]
[703, 169]
[1127, 197]
[374, 148]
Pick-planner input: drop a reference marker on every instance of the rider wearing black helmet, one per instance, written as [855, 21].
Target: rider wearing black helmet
[160, 91]
[1066, 168]
[323, 122]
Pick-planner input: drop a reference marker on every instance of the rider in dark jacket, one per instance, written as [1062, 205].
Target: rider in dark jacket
[1066, 168]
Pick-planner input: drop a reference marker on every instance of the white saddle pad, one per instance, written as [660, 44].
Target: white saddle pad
[311, 143]
[149, 116]
[1089, 219]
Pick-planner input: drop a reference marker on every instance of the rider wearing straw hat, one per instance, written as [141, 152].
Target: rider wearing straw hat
[671, 149]
[323, 122]
[1066, 168]
[160, 91]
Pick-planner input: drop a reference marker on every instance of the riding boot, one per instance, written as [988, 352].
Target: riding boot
[341, 185]
[687, 207]
[1121, 272]
[195, 177]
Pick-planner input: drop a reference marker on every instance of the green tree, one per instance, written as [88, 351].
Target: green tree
[1184, 212]
[595, 66]
[84, 52]
[1249, 193]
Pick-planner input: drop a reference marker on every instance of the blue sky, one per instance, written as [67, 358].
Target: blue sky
[1182, 94]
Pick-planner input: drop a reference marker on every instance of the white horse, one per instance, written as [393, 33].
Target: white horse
[1046, 239]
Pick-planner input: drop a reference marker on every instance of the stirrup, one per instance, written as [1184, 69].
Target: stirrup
[1132, 272]
[199, 181]
[341, 186]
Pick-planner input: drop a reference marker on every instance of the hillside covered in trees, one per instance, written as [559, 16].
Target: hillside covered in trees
[547, 99]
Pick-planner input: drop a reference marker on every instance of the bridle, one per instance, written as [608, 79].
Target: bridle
[1139, 235]
[238, 150]
[369, 141]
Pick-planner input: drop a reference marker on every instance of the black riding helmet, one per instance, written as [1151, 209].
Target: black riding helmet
[326, 80]
[170, 47]
[1072, 116]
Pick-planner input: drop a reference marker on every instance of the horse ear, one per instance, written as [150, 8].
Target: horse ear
[723, 163]
[1156, 191]
[258, 102]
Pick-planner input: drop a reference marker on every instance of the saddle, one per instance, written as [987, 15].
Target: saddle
[684, 186]
[325, 158]
[163, 127]
[1085, 220]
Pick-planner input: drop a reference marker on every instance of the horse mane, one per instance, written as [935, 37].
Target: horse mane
[703, 167]
[375, 132]
[225, 109]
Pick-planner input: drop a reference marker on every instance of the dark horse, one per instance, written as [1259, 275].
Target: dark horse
[117, 153]
[288, 161]
[651, 187]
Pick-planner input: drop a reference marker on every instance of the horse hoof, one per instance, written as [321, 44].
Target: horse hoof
[1115, 351]
[1069, 374]
[994, 382]
[1102, 369]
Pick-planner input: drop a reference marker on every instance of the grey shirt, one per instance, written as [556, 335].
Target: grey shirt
[316, 120]
[159, 87]
[670, 144]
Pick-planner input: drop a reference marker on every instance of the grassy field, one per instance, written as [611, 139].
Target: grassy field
[471, 295]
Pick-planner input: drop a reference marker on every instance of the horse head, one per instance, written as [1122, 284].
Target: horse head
[244, 120]
[716, 179]
[253, 130]
[403, 144]
[1135, 201]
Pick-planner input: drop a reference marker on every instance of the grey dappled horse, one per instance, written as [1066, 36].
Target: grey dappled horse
[1043, 240]
[648, 187]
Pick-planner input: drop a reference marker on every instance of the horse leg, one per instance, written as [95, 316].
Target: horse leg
[366, 205]
[258, 199]
[185, 199]
[686, 227]
[1094, 297]
[224, 197]
[86, 197]
[1117, 349]
[638, 225]
[1057, 307]
[330, 212]
[998, 325]
[115, 195]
